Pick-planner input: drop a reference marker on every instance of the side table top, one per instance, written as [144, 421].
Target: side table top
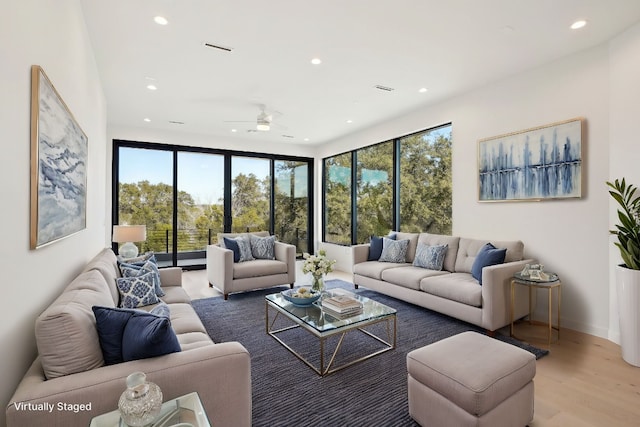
[553, 278]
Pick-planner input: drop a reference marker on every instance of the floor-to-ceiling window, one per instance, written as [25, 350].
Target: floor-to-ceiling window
[403, 184]
[291, 211]
[374, 191]
[186, 196]
[337, 199]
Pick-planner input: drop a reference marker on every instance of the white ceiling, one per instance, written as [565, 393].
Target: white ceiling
[447, 46]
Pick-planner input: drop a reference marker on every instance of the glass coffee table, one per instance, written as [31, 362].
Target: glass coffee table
[322, 325]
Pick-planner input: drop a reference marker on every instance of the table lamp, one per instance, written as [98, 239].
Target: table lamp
[129, 234]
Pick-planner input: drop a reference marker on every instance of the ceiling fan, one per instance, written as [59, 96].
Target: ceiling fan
[263, 122]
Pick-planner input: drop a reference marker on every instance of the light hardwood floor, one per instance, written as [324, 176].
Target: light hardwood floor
[582, 382]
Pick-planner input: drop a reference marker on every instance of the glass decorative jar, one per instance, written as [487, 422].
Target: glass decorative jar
[141, 402]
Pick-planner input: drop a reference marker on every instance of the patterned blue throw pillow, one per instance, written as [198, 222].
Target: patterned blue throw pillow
[263, 247]
[394, 250]
[431, 257]
[133, 270]
[137, 291]
[375, 247]
[244, 248]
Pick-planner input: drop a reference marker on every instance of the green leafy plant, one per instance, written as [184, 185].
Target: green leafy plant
[628, 230]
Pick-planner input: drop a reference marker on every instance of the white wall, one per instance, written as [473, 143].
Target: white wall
[52, 35]
[568, 236]
[624, 155]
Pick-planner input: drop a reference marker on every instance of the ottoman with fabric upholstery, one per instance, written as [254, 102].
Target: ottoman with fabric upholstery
[471, 380]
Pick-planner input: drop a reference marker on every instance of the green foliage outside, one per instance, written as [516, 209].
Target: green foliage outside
[151, 204]
[425, 188]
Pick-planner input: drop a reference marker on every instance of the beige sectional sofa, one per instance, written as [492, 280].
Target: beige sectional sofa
[228, 276]
[453, 290]
[70, 369]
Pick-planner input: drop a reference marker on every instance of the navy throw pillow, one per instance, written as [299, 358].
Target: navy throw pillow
[110, 323]
[375, 248]
[233, 245]
[148, 335]
[487, 255]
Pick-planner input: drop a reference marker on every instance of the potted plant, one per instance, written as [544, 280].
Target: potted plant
[628, 274]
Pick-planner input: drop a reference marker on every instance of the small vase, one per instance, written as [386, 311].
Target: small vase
[318, 283]
[141, 402]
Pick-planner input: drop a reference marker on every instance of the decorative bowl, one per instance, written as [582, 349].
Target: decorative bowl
[301, 301]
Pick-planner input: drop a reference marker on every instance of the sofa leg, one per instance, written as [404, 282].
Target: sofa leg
[226, 297]
[489, 333]
[291, 285]
[210, 285]
[355, 286]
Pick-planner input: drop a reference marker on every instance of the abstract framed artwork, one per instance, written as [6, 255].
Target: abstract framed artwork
[534, 164]
[58, 166]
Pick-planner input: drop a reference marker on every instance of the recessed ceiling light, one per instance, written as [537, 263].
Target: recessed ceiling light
[316, 61]
[160, 20]
[234, 130]
[306, 139]
[349, 121]
[151, 87]
[578, 24]
[147, 119]
[423, 90]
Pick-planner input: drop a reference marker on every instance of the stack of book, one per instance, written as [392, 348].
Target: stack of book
[341, 306]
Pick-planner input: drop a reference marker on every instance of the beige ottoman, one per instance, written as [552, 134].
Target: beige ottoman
[471, 380]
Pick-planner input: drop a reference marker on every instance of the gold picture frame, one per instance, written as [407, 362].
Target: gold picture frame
[59, 153]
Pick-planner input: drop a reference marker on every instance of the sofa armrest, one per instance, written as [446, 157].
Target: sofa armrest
[496, 294]
[220, 373]
[171, 276]
[360, 253]
[286, 253]
[220, 267]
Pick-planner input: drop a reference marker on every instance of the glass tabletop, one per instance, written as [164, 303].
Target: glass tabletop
[550, 278]
[319, 319]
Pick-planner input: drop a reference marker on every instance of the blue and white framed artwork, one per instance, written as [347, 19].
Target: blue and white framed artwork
[58, 166]
[534, 164]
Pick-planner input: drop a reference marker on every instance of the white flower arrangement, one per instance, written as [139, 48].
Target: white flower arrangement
[317, 265]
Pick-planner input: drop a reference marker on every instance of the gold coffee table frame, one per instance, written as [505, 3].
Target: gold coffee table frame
[549, 285]
[373, 313]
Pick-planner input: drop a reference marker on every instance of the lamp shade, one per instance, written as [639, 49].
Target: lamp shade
[129, 233]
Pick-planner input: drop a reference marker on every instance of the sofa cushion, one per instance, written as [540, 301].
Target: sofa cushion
[147, 335]
[394, 250]
[460, 287]
[469, 248]
[375, 247]
[134, 270]
[175, 294]
[262, 247]
[185, 320]
[137, 291]
[374, 269]
[233, 246]
[234, 235]
[413, 243]
[193, 340]
[487, 255]
[409, 276]
[106, 263]
[431, 257]
[258, 268]
[66, 333]
[452, 242]
[110, 324]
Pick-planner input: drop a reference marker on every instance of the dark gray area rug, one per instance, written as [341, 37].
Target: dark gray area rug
[286, 392]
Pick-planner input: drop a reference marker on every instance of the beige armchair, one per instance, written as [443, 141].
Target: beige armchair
[229, 277]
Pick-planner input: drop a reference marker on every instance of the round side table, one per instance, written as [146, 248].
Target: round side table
[553, 282]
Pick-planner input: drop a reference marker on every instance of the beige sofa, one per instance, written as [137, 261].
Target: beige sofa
[453, 290]
[70, 368]
[229, 277]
